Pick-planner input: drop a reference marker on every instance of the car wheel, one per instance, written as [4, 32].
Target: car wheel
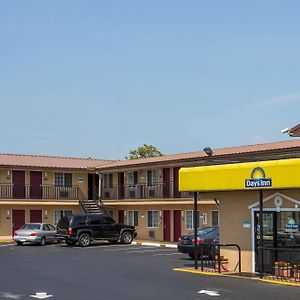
[20, 243]
[70, 243]
[84, 240]
[127, 237]
[43, 241]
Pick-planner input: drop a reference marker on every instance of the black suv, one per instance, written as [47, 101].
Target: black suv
[84, 228]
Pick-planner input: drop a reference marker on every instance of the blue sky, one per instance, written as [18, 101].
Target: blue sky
[99, 78]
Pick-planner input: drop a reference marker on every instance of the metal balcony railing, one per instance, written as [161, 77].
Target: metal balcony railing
[27, 191]
[144, 191]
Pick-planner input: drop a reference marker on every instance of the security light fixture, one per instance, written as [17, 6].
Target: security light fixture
[208, 151]
[293, 131]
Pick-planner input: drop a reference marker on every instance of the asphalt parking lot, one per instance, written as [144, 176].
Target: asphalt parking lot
[105, 271]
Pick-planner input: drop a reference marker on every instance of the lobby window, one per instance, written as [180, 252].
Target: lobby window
[108, 180]
[189, 219]
[214, 218]
[152, 177]
[132, 218]
[60, 213]
[153, 219]
[63, 179]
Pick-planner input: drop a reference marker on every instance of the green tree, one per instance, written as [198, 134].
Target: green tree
[144, 152]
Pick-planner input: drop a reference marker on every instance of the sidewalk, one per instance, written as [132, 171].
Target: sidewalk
[155, 244]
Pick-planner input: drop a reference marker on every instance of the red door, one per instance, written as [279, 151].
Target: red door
[36, 216]
[121, 216]
[166, 225]
[18, 180]
[177, 224]
[166, 180]
[18, 219]
[36, 185]
[176, 192]
[121, 191]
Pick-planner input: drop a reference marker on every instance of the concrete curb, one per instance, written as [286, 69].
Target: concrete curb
[154, 244]
[193, 271]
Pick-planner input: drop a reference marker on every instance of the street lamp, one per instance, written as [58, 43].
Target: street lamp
[208, 151]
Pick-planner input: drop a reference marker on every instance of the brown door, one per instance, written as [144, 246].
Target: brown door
[18, 219]
[121, 191]
[177, 224]
[166, 180]
[176, 181]
[36, 216]
[18, 180]
[121, 216]
[166, 225]
[36, 180]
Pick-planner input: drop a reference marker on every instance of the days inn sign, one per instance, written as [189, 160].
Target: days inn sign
[273, 174]
[258, 179]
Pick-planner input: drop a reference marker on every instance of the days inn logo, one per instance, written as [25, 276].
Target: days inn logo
[258, 179]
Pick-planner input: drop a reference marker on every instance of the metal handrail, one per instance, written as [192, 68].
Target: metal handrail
[218, 246]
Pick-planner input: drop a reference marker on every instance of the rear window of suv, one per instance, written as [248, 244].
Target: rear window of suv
[78, 220]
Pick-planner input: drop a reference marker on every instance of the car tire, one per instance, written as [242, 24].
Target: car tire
[70, 243]
[43, 241]
[127, 237]
[84, 240]
[20, 243]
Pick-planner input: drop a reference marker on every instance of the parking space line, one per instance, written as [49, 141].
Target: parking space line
[166, 254]
[148, 251]
[6, 245]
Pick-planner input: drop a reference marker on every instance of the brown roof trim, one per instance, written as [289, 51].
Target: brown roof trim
[50, 162]
[201, 155]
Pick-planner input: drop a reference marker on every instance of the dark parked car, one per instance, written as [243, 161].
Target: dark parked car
[84, 228]
[208, 236]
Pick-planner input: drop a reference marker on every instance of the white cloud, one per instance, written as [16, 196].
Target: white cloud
[275, 101]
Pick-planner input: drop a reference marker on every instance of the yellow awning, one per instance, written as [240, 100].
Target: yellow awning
[272, 174]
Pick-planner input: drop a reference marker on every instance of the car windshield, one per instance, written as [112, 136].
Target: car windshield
[31, 227]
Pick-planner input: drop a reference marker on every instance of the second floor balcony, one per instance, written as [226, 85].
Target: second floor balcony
[27, 191]
[144, 191]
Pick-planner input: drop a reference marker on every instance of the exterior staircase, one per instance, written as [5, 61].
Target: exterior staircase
[91, 206]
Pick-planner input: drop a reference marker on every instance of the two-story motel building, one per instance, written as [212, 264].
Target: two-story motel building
[143, 192]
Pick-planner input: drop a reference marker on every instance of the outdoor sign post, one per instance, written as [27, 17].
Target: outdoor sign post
[195, 230]
[261, 233]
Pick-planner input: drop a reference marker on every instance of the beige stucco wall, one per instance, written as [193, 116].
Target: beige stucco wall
[6, 218]
[143, 230]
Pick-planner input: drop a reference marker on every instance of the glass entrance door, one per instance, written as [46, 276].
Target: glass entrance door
[280, 234]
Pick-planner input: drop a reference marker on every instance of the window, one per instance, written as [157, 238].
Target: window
[63, 179]
[215, 218]
[189, 219]
[59, 214]
[152, 177]
[95, 220]
[108, 180]
[132, 218]
[108, 220]
[132, 178]
[153, 218]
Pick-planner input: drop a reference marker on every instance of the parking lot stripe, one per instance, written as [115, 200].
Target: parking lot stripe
[6, 245]
[166, 254]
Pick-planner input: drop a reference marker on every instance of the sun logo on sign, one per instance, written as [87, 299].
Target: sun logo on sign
[258, 173]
